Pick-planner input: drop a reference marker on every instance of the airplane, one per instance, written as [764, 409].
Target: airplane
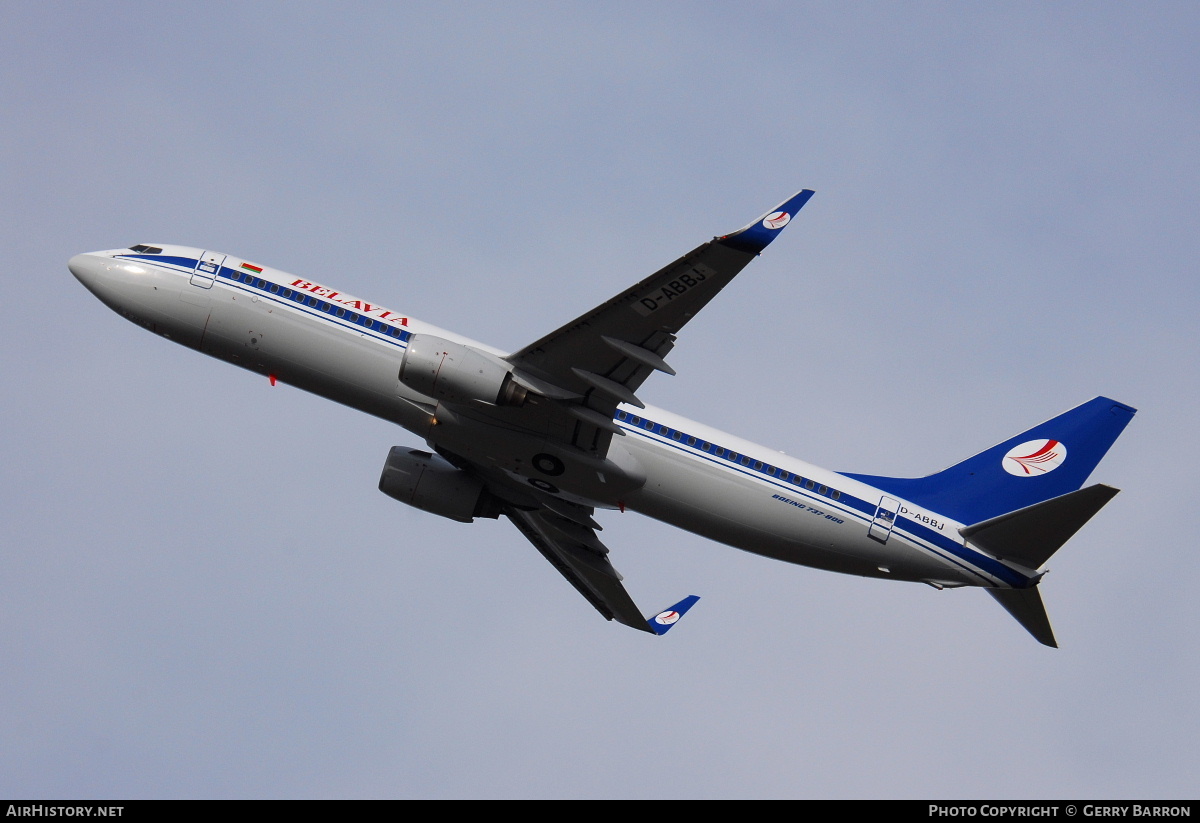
[550, 434]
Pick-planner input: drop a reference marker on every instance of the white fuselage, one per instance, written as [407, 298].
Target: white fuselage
[697, 478]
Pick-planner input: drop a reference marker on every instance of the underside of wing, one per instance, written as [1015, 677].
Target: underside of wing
[601, 358]
[580, 557]
[538, 439]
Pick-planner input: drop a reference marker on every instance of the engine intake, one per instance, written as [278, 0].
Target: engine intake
[430, 483]
[458, 374]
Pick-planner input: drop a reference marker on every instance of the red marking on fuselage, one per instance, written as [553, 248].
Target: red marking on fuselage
[361, 305]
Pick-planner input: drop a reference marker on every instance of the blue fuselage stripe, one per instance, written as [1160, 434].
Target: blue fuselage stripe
[299, 300]
[915, 532]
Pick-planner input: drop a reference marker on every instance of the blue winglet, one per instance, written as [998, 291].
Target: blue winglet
[664, 620]
[759, 234]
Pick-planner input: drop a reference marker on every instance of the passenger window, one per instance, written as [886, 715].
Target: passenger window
[691, 441]
[758, 466]
[287, 293]
[745, 460]
[822, 490]
[274, 288]
[677, 435]
[341, 312]
[621, 415]
[808, 484]
[836, 495]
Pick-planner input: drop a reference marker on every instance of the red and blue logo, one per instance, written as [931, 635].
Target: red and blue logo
[668, 617]
[777, 220]
[1034, 457]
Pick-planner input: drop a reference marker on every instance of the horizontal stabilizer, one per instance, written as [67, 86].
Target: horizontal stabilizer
[1030, 535]
[1026, 606]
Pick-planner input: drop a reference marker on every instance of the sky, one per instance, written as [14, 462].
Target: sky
[206, 596]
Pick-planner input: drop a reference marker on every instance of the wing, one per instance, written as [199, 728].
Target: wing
[580, 557]
[578, 375]
[601, 358]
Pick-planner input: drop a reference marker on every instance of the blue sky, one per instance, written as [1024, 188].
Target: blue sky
[207, 597]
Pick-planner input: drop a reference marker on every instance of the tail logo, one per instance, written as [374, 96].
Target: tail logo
[668, 617]
[1034, 457]
[777, 220]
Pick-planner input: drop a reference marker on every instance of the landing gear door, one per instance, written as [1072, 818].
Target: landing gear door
[207, 268]
[884, 520]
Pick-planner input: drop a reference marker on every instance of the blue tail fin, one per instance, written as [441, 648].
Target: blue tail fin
[1049, 460]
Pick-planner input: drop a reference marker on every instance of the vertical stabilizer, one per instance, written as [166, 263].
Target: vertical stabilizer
[1047, 461]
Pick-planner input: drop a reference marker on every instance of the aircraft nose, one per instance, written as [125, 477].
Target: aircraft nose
[88, 269]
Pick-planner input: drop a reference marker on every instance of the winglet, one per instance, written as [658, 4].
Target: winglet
[664, 620]
[759, 234]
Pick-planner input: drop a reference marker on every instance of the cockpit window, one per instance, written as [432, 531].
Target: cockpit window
[140, 249]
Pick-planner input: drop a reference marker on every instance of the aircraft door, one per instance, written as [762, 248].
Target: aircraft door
[884, 520]
[206, 269]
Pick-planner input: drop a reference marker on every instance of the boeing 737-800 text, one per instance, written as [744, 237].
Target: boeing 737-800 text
[549, 434]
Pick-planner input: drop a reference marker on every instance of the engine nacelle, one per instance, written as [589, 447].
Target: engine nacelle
[430, 483]
[458, 374]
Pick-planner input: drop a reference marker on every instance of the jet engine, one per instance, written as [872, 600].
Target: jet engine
[432, 484]
[458, 374]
